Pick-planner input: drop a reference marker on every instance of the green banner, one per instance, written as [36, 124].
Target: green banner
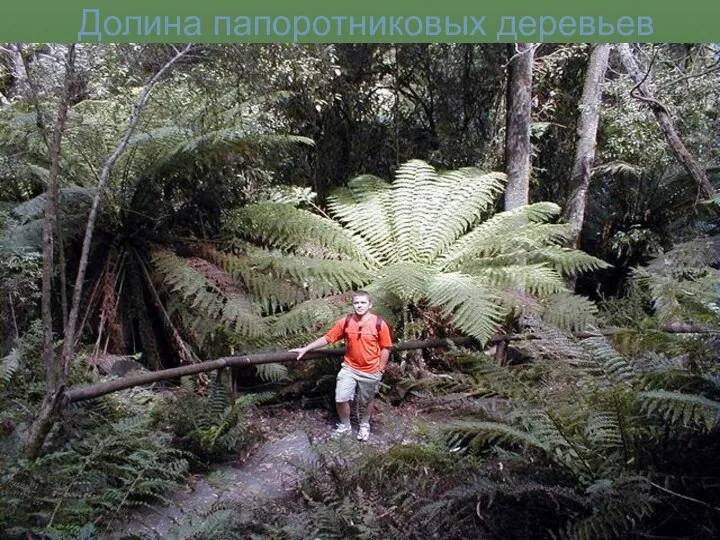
[371, 21]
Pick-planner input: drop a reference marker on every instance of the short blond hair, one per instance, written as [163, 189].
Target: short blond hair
[361, 293]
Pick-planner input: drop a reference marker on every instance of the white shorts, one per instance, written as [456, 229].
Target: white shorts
[348, 379]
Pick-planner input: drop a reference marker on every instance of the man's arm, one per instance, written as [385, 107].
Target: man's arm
[384, 357]
[319, 342]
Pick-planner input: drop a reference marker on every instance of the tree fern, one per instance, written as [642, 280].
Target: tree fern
[494, 236]
[477, 435]
[365, 208]
[429, 237]
[683, 284]
[604, 365]
[569, 312]
[474, 308]
[319, 277]
[272, 372]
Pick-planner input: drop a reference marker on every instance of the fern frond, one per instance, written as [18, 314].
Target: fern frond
[241, 315]
[365, 208]
[681, 297]
[313, 315]
[69, 198]
[271, 372]
[296, 230]
[536, 279]
[701, 252]
[604, 362]
[408, 280]
[680, 408]
[477, 435]
[602, 430]
[463, 197]
[321, 277]
[412, 203]
[494, 236]
[569, 311]
[270, 292]
[475, 309]
[616, 510]
[203, 296]
[567, 261]
[8, 366]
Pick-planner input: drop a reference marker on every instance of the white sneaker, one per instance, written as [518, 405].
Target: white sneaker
[364, 433]
[340, 431]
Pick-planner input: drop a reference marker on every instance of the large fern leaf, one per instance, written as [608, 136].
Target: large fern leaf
[474, 307]
[296, 230]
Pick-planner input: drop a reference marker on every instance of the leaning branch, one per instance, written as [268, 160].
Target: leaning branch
[643, 91]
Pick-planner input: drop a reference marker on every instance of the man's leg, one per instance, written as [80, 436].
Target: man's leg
[368, 387]
[344, 393]
[343, 411]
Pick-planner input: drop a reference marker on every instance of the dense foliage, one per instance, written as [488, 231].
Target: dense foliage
[261, 184]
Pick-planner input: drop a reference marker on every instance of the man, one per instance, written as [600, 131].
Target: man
[367, 342]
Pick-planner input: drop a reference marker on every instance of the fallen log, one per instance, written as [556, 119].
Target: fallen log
[100, 389]
[91, 391]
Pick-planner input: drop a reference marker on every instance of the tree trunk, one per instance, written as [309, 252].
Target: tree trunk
[55, 399]
[45, 419]
[17, 68]
[586, 140]
[644, 92]
[517, 132]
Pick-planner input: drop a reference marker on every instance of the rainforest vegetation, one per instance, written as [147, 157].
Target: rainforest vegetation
[549, 211]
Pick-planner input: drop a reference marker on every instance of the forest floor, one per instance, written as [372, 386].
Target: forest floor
[271, 470]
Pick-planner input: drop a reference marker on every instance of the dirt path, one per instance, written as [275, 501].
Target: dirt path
[266, 473]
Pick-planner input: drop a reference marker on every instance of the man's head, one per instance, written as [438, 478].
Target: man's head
[361, 302]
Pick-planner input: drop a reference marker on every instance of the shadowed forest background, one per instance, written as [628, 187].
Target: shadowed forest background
[163, 206]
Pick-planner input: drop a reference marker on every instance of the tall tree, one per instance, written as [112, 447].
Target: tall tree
[586, 139]
[58, 370]
[517, 133]
[644, 91]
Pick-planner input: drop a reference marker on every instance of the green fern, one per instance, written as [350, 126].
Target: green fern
[617, 509]
[683, 284]
[8, 366]
[428, 238]
[215, 307]
[688, 410]
[293, 229]
[569, 311]
[272, 372]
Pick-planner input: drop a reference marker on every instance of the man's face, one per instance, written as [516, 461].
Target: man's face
[361, 305]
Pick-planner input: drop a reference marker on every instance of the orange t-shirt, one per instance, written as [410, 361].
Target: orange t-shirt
[363, 342]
